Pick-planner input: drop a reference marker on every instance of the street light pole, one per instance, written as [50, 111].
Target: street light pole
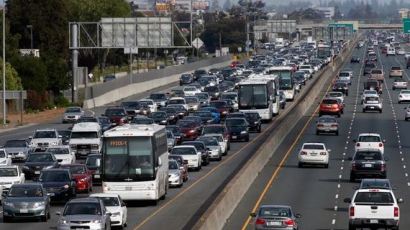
[31, 36]
[4, 63]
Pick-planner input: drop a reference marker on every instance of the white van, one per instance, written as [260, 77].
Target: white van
[86, 138]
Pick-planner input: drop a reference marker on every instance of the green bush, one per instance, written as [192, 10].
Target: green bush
[61, 101]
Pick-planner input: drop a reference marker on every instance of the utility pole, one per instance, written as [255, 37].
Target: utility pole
[4, 64]
[31, 36]
[220, 41]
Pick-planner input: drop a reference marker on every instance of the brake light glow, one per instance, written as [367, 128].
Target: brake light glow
[382, 167]
[380, 144]
[260, 221]
[351, 211]
[322, 153]
[303, 153]
[289, 222]
[358, 144]
[396, 211]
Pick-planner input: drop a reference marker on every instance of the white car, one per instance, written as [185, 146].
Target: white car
[368, 141]
[43, 138]
[151, 104]
[190, 154]
[115, 206]
[314, 153]
[374, 208]
[368, 93]
[399, 83]
[336, 95]
[63, 154]
[391, 51]
[221, 140]
[4, 158]
[307, 67]
[213, 146]
[191, 90]
[10, 175]
[372, 103]
[178, 101]
[404, 96]
[400, 52]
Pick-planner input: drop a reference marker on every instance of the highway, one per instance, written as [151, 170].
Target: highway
[183, 206]
[317, 193]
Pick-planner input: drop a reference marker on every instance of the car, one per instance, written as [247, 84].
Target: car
[93, 163]
[132, 107]
[10, 175]
[330, 107]
[86, 138]
[313, 153]
[345, 77]
[38, 161]
[372, 84]
[355, 59]
[404, 96]
[189, 153]
[254, 121]
[276, 217]
[215, 113]
[375, 184]
[63, 154]
[336, 95]
[372, 103]
[159, 98]
[178, 101]
[222, 142]
[377, 74]
[307, 67]
[18, 150]
[142, 120]
[204, 98]
[152, 105]
[175, 178]
[59, 184]
[5, 159]
[396, 71]
[198, 73]
[369, 65]
[108, 78]
[35, 198]
[160, 117]
[327, 124]
[43, 138]
[233, 96]
[238, 129]
[84, 213]
[191, 90]
[117, 115]
[65, 136]
[400, 51]
[399, 83]
[213, 147]
[222, 107]
[407, 113]
[82, 175]
[362, 208]
[72, 114]
[183, 165]
[171, 142]
[193, 103]
[176, 131]
[341, 87]
[200, 147]
[282, 100]
[367, 163]
[217, 129]
[171, 113]
[180, 110]
[186, 79]
[190, 129]
[206, 117]
[367, 93]
[116, 206]
[391, 51]
[369, 141]
[213, 91]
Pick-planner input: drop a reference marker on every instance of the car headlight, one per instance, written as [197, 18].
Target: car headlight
[115, 214]
[172, 116]
[39, 204]
[164, 121]
[66, 186]
[49, 167]
[62, 221]
[8, 204]
[256, 122]
[96, 221]
[244, 132]
[25, 167]
[54, 143]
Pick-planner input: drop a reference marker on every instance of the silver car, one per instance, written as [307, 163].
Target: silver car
[275, 217]
[372, 103]
[170, 140]
[407, 113]
[327, 124]
[17, 149]
[72, 114]
[175, 177]
[84, 213]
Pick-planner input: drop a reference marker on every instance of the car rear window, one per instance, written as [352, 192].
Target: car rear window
[329, 101]
[376, 71]
[368, 156]
[310, 146]
[395, 68]
[374, 197]
[274, 212]
[369, 139]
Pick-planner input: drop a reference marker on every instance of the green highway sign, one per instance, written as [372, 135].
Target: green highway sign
[406, 25]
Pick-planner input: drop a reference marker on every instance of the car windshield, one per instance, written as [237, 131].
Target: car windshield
[395, 68]
[235, 122]
[82, 208]
[130, 104]
[114, 112]
[25, 191]
[405, 92]
[84, 135]
[58, 151]
[110, 201]
[77, 169]
[327, 120]
[190, 89]
[87, 119]
[366, 183]
[315, 147]
[92, 161]
[176, 101]
[159, 115]
[376, 71]
[45, 134]
[40, 157]
[186, 124]
[369, 139]
[199, 145]
[374, 197]
[229, 96]
[202, 96]
[274, 212]
[366, 156]
[329, 101]
[335, 94]
[218, 104]
[142, 121]
[344, 74]
[73, 110]
[183, 151]
[8, 172]
[252, 116]
[209, 141]
[213, 129]
[54, 176]
[191, 100]
[371, 99]
[173, 165]
[158, 96]
[16, 144]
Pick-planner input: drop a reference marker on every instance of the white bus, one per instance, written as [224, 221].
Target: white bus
[324, 51]
[286, 83]
[275, 87]
[256, 96]
[135, 162]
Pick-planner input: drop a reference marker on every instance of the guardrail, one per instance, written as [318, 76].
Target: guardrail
[225, 203]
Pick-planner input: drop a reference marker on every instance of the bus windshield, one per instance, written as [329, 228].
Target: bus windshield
[285, 83]
[253, 96]
[128, 158]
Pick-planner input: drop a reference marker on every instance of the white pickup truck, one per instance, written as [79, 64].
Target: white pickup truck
[373, 208]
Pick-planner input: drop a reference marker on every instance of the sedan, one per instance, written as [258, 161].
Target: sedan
[367, 164]
[17, 149]
[190, 129]
[160, 117]
[404, 96]
[141, 120]
[183, 165]
[72, 114]
[327, 124]
[213, 147]
[26, 200]
[63, 154]
[115, 206]
[399, 83]
[275, 217]
[58, 183]
[238, 128]
[175, 177]
[254, 121]
[83, 177]
[10, 175]
[5, 160]
[84, 213]
[355, 59]
[36, 162]
[313, 153]
[93, 163]
[341, 87]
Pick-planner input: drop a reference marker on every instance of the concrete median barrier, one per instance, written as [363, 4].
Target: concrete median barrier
[225, 203]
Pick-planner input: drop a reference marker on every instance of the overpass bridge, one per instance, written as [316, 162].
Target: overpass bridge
[307, 27]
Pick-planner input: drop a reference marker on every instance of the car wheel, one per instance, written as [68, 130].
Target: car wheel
[364, 110]
[352, 178]
[317, 132]
[338, 115]
[393, 88]
[259, 129]
[6, 219]
[399, 102]
[380, 111]
[352, 227]
[44, 218]
[326, 165]
[247, 139]
[337, 133]
[300, 165]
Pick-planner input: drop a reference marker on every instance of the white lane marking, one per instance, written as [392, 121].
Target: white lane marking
[335, 208]
[337, 196]
[333, 221]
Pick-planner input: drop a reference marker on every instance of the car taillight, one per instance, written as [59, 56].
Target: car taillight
[396, 211]
[353, 166]
[335, 105]
[334, 125]
[351, 211]
[260, 221]
[383, 167]
[192, 131]
[358, 144]
[322, 153]
[380, 144]
[320, 125]
[303, 153]
[289, 222]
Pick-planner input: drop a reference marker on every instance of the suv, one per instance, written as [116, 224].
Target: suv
[374, 208]
[369, 141]
[367, 164]
[43, 138]
[86, 138]
[396, 71]
[399, 83]
[372, 103]
[330, 106]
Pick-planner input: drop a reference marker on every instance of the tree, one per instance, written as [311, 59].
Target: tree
[13, 81]
[32, 71]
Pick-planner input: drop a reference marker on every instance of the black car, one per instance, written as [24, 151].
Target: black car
[36, 162]
[131, 107]
[176, 131]
[93, 163]
[341, 87]
[201, 147]
[141, 120]
[105, 123]
[160, 117]
[171, 113]
[368, 67]
[203, 98]
[213, 92]
[198, 73]
[181, 111]
[65, 136]
[59, 184]
[355, 59]
[254, 121]
[186, 79]
[368, 164]
[237, 128]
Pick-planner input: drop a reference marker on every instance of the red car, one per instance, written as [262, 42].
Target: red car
[117, 115]
[330, 107]
[190, 129]
[234, 63]
[83, 177]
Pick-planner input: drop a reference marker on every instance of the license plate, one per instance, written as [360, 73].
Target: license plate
[313, 154]
[128, 188]
[371, 107]
[274, 223]
[52, 194]
[368, 165]
[24, 210]
[97, 176]
[234, 137]
[374, 221]
[37, 172]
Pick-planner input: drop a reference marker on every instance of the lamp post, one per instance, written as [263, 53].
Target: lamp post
[31, 36]
[4, 63]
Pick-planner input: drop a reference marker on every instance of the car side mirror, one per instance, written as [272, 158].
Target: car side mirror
[58, 213]
[347, 200]
[329, 150]
[253, 214]
[384, 141]
[298, 216]
[30, 137]
[98, 162]
[354, 140]
[108, 213]
[350, 158]
[60, 160]
[123, 204]
[400, 200]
